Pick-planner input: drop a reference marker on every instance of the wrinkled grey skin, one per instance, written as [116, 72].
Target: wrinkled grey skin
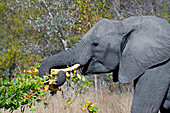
[138, 47]
[165, 108]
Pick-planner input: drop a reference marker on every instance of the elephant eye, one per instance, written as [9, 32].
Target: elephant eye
[95, 44]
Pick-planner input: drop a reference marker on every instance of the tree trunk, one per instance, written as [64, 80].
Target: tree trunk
[96, 92]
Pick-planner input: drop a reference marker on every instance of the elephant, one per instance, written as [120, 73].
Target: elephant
[134, 49]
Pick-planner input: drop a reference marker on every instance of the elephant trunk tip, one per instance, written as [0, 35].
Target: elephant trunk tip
[44, 69]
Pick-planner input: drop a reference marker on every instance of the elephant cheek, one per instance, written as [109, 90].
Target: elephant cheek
[100, 68]
[83, 57]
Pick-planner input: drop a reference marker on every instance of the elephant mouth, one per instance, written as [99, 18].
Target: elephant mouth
[87, 68]
[94, 66]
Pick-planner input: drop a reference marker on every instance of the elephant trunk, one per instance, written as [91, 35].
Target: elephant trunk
[61, 60]
[55, 61]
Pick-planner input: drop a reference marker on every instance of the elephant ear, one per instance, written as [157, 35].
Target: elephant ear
[141, 49]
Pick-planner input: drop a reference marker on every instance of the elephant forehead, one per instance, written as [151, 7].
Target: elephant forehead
[105, 25]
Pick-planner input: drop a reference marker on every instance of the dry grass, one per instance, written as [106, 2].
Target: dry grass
[107, 103]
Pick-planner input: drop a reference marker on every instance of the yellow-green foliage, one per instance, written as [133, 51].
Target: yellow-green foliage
[28, 32]
[21, 92]
[90, 11]
[27, 88]
[17, 37]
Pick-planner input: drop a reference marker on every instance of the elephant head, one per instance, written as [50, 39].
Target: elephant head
[132, 45]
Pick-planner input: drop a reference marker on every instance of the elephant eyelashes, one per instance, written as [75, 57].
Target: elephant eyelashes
[95, 44]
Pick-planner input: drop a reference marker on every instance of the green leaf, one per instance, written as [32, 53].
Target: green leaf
[38, 100]
[1, 81]
[16, 82]
[90, 82]
[69, 101]
[8, 101]
[90, 108]
[9, 93]
[12, 82]
[17, 91]
[24, 94]
[22, 109]
[95, 109]
[27, 87]
[37, 65]
[83, 79]
[45, 104]
[117, 83]
[12, 108]
[85, 85]
[6, 81]
[41, 93]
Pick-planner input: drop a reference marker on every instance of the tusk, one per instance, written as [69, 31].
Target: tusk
[55, 71]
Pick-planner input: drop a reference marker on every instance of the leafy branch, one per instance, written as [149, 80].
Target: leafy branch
[27, 88]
